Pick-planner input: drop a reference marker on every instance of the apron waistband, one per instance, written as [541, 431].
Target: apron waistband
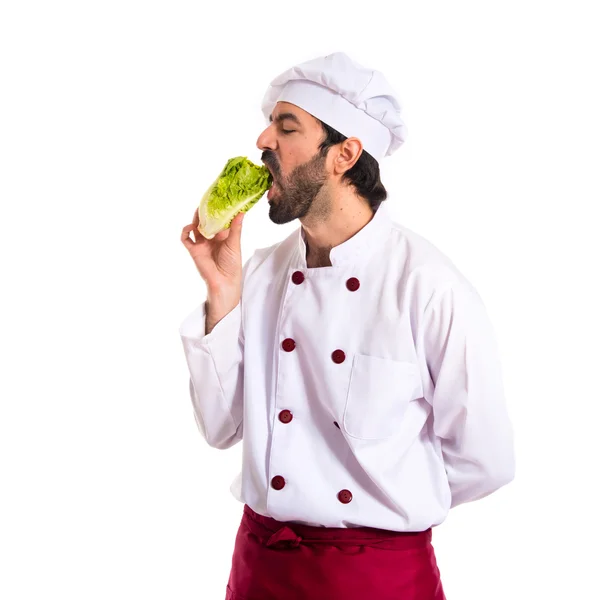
[278, 534]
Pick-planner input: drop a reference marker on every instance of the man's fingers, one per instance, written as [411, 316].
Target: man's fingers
[188, 242]
[222, 235]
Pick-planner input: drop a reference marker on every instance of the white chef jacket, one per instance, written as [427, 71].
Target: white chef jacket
[366, 393]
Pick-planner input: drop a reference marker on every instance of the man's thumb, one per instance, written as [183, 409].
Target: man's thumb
[236, 225]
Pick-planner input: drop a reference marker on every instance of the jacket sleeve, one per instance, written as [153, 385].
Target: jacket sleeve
[469, 409]
[216, 367]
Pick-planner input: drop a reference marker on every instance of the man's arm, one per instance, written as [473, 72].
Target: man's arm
[470, 414]
[213, 342]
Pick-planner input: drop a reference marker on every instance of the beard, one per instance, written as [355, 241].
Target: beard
[295, 194]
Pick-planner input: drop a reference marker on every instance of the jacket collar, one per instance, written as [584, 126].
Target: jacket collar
[359, 247]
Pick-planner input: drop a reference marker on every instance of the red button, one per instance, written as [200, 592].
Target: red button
[345, 496]
[288, 344]
[338, 356]
[353, 284]
[298, 277]
[285, 416]
[278, 482]
[336, 424]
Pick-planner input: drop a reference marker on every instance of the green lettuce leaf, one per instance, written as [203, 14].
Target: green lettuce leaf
[239, 186]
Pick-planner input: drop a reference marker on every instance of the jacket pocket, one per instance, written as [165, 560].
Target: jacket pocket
[379, 392]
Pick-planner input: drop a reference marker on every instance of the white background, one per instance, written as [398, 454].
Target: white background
[116, 116]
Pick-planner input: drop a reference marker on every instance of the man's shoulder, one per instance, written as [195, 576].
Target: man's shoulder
[424, 260]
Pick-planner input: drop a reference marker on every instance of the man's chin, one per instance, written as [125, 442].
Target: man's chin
[278, 216]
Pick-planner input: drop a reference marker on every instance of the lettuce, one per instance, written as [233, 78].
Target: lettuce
[240, 185]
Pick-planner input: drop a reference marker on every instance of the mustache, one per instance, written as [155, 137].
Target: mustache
[270, 161]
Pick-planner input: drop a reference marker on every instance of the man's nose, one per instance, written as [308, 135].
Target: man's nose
[266, 140]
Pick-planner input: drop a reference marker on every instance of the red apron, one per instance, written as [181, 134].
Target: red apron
[273, 560]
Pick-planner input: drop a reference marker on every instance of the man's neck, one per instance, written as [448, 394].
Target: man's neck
[325, 230]
[319, 258]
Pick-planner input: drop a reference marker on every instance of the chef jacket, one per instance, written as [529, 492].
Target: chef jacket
[366, 393]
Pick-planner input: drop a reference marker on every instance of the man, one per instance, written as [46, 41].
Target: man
[353, 358]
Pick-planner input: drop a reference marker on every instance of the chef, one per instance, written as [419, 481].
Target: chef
[353, 359]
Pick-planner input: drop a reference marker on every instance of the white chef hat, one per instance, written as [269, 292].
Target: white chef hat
[354, 100]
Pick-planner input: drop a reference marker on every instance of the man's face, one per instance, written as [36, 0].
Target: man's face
[290, 151]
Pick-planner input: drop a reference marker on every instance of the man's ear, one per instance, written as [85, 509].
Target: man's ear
[349, 152]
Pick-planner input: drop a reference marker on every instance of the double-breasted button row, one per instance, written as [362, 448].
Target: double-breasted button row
[337, 356]
[352, 284]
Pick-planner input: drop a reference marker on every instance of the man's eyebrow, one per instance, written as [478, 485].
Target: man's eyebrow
[284, 116]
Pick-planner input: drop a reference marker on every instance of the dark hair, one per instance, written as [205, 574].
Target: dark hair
[364, 175]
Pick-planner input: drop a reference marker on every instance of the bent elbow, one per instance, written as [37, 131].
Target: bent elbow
[477, 483]
[223, 442]
[503, 474]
